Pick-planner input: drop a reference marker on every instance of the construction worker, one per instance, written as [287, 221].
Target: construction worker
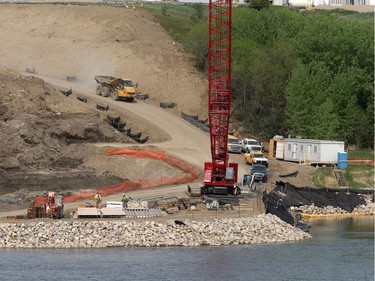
[125, 200]
[98, 200]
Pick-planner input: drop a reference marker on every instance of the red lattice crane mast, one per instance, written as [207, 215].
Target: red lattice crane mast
[220, 176]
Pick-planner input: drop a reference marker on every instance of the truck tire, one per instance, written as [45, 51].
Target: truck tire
[106, 91]
[115, 95]
[99, 90]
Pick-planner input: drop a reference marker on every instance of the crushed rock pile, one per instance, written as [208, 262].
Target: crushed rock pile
[369, 208]
[121, 233]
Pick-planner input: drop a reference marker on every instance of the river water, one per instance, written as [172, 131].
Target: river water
[340, 249]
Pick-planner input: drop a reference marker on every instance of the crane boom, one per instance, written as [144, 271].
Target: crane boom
[219, 174]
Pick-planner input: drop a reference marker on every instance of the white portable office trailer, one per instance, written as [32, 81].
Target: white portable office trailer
[312, 151]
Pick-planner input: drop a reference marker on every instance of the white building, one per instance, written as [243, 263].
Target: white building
[303, 4]
[312, 151]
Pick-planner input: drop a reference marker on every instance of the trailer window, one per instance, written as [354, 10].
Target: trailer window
[315, 149]
[289, 147]
[301, 147]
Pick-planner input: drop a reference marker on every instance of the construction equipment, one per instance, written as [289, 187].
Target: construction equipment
[117, 88]
[50, 206]
[220, 176]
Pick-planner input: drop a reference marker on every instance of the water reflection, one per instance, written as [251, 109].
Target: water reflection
[359, 227]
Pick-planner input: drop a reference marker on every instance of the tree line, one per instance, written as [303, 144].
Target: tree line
[308, 74]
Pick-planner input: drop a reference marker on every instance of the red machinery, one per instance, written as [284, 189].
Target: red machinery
[220, 176]
[51, 206]
[55, 205]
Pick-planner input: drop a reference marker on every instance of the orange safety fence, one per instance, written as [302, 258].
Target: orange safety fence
[352, 162]
[190, 175]
[137, 153]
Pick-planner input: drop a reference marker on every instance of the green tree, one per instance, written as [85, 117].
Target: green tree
[244, 52]
[337, 42]
[262, 63]
[344, 90]
[164, 10]
[367, 136]
[322, 104]
[303, 73]
[259, 4]
[267, 26]
[306, 98]
[270, 73]
[197, 42]
[259, 78]
[242, 89]
[198, 7]
[326, 122]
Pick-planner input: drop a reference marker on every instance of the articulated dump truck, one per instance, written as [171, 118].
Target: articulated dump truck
[117, 88]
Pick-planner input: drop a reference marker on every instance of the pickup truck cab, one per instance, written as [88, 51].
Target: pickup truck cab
[248, 144]
[234, 144]
[256, 157]
[259, 173]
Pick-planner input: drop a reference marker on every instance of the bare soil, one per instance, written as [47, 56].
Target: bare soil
[53, 142]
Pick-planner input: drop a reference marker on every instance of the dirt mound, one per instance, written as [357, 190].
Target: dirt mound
[45, 138]
[67, 40]
[37, 122]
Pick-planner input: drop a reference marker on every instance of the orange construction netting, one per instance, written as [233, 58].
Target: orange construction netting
[190, 175]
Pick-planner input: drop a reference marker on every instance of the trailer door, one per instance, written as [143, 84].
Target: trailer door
[279, 150]
[294, 151]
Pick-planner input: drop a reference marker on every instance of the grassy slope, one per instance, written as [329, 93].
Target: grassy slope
[355, 176]
[177, 20]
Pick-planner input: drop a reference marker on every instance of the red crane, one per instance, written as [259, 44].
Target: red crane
[220, 176]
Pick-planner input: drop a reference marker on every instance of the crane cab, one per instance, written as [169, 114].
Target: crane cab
[220, 180]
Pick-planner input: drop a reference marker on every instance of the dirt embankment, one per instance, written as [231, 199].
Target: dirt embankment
[43, 133]
[62, 40]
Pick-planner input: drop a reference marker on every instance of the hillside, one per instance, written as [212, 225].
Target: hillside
[62, 40]
[44, 134]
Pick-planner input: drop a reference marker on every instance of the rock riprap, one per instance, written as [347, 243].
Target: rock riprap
[368, 208]
[122, 233]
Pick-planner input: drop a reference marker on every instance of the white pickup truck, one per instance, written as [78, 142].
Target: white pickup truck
[248, 145]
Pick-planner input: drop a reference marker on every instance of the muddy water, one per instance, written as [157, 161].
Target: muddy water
[341, 249]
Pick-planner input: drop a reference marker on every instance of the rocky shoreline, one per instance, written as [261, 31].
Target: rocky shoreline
[369, 209]
[264, 228]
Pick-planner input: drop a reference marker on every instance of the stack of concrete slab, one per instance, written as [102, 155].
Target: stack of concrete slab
[84, 212]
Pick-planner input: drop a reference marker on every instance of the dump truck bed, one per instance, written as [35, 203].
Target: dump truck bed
[105, 79]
